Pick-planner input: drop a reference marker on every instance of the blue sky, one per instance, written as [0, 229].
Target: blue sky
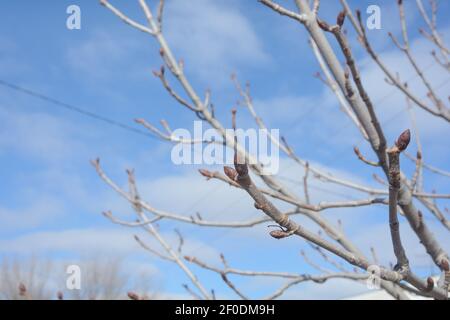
[51, 198]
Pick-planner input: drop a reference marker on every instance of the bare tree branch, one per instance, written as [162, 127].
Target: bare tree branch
[358, 106]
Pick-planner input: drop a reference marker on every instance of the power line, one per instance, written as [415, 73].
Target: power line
[74, 108]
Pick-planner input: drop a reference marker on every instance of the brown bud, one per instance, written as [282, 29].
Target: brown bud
[340, 18]
[205, 173]
[230, 173]
[278, 234]
[403, 140]
[60, 295]
[133, 296]
[323, 25]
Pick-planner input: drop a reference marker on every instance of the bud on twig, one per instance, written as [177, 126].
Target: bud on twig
[206, 173]
[403, 140]
[340, 18]
[230, 173]
[133, 296]
[278, 234]
[323, 25]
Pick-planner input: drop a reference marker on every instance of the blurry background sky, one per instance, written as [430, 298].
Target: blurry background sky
[51, 199]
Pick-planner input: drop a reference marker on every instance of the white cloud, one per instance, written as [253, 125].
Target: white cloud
[118, 241]
[103, 55]
[212, 37]
[38, 135]
[39, 212]
[73, 240]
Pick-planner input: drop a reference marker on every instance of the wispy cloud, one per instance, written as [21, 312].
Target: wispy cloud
[38, 135]
[106, 55]
[30, 216]
[213, 38]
